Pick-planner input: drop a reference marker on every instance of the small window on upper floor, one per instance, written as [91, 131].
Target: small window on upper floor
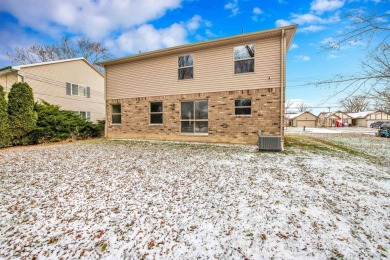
[77, 90]
[244, 58]
[186, 67]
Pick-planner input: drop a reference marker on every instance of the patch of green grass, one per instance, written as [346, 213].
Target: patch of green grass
[316, 144]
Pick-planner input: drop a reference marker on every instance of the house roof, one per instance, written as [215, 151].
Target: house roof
[292, 116]
[237, 39]
[361, 114]
[18, 67]
[329, 114]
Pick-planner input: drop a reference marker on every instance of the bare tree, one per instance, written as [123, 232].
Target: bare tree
[355, 104]
[302, 106]
[288, 104]
[381, 98]
[94, 52]
[374, 31]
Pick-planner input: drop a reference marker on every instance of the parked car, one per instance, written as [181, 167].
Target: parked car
[377, 124]
[385, 126]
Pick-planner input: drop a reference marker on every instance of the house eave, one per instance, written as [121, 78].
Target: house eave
[237, 39]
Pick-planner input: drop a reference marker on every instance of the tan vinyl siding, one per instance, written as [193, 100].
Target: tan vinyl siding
[7, 80]
[213, 72]
[49, 84]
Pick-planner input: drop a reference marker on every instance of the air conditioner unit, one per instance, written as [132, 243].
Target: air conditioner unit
[270, 143]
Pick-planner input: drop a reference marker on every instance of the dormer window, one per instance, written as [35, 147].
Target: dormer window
[186, 67]
[244, 58]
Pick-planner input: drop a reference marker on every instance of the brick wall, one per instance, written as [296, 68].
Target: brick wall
[224, 125]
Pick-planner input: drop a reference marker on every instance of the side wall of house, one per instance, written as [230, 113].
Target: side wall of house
[135, 84]
[224, 125]
[49, 84]
[7, 80]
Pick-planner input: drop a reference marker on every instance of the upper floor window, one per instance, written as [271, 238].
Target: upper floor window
[186, 67]
[77, 90]
[116, 114]
[156, 113]
[244, 58]
[243, 107]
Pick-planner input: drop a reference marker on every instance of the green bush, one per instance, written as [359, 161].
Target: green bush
[54, 125]
[4, 121]
[21, 112]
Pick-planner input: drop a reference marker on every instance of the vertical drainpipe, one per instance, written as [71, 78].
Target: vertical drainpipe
[282, 84]
[105, 101]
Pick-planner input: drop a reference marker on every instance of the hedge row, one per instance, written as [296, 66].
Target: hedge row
[24, 122]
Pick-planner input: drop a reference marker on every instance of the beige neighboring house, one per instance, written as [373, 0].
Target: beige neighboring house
[222, 90]
[337, 118]
[73, 84]
[364, 119]
[302, 119]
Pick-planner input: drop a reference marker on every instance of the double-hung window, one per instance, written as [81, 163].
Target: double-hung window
[194, 117]
[77, 90]
[244, 58]
[156, 113]
[186, 67]
[116, 114]
[242, 107]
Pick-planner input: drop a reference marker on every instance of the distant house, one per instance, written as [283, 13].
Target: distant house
[337, 118]
[222, 90]
[73, 84]
[302, 119]
[365, 118]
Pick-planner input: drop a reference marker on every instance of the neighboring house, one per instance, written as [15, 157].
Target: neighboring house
[302, 119]
[337, 118]
[223, 90]
[366, 118]
[73, 84]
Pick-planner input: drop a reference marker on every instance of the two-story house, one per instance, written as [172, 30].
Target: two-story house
[223, 90]
[73, 84]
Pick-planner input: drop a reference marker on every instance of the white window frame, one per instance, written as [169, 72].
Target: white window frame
[235, 107]
[156, 113]
[194, 120]
[112, 114]
[234, 59]
[78, 90]
[185, 67]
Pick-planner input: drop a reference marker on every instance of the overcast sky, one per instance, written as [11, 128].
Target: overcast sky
[130, 26]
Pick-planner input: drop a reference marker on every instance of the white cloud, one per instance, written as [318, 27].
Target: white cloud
[294, 46]
[311, 28]
[95, 19]
[302, 57]
[281, 23]
[233, 6]
[256, 12]
[332, 56]
[148, 38]
[321, 6]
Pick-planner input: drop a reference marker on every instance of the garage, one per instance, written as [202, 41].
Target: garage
[307, 123]
[302, 119]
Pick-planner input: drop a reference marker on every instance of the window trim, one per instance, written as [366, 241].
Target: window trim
[112, 114]
[254, 63]
[194, 120]
[242, 107]
[185, 67]
[156, 113]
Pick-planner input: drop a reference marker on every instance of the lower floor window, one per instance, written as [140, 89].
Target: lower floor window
[116, 113]
[84, 114]
[194, 117]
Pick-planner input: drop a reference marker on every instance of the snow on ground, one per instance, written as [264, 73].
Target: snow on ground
[117, 199]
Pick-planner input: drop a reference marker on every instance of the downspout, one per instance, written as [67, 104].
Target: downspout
[105, 102]
[282, 85]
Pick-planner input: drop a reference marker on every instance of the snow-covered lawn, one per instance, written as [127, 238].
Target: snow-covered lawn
[126, 199]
